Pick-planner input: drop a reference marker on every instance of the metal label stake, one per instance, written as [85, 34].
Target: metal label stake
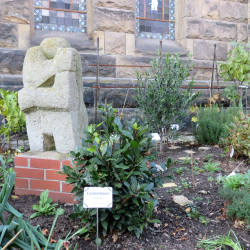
[97, 229]
[98, 197]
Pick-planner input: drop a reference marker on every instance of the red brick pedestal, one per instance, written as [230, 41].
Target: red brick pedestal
[37, 171]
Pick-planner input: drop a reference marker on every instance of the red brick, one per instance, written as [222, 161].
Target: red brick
[30, 173]
[44, 163]
[67, 163]
[21, 161]
[43, 184]
[53, 175]
[20, 182]
[56, 196]
[67, 188]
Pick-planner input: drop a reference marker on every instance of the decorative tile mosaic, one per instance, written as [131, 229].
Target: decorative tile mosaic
[60, 20]
[155, 29]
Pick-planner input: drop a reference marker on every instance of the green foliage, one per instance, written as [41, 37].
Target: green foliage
[186, 161]
[212, 167]
[10, 110]
[239, 202]
[115, 157]
[210, 178]
[45, 207]
[231, 93]
[160, 96]
[212, 122]
[204, 220]
[236, 181]
[179, 170]
[237, 66]
[30, 237]
[220, 242]
[208, 157]
[239, 136]
[185, 183]
[194, 213]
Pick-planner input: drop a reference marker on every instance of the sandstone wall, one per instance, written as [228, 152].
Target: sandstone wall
[199, 25]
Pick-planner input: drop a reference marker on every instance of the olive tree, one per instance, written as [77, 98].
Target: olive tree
[160, 95]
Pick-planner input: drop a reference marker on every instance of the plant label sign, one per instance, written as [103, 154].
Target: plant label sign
[98, 197]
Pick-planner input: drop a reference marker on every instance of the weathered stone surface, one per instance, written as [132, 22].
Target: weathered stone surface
[8, 35]
[233, 12]
[238, 1]
[24, 36]
[193, 27]
[220, 31]
[15, 11]
[130, 44]
[192, 8]
[181, 200]
[118, 96]
[204, 50]
[210, 9]
[116, 4]
[103, 71]
[201, 74]
[52, 97]
[129, 72]
[114, 20]
[242, 33]
[115, 43]
[11, 61]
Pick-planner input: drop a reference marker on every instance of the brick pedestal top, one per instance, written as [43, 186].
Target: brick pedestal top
[38, 171]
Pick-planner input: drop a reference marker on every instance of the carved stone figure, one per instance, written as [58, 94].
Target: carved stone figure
[52, 97]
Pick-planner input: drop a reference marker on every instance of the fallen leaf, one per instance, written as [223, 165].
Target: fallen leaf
[165, 225]
[14, 197]
[204, 237]
[66, 244]
[239, 223]
[115, 237]
[188, 209]
[184, 238]
[179, 229]
[171, 184]
[45, 231]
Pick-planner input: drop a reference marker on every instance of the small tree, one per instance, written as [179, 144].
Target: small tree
[160, 97]
[235, 69]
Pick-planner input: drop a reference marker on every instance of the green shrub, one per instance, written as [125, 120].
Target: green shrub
[115, 157]
[236, 181]
[10, 110]
[240, 202]
[239, 136]
[212, 122]
[161, 97]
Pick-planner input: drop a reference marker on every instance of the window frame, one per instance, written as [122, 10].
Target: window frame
[63, 10]
[150, 35]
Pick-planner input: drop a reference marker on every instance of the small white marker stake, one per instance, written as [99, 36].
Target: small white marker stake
[97, 197]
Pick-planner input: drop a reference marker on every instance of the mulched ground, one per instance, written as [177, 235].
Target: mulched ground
[178, 231]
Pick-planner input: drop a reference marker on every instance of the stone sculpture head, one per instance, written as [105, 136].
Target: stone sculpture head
[50, 45]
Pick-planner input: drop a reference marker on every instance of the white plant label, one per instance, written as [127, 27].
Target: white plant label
[155, 137]
[98, 197]
[232, 153]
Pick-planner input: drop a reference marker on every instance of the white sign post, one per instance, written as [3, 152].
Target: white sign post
[97, 197]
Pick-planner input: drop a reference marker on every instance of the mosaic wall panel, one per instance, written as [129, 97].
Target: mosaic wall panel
[60, 15]
[155, 9]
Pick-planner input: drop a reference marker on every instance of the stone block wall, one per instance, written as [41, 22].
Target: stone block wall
[208, 22]
[199, 25]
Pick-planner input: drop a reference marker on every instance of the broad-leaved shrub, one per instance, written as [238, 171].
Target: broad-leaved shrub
[116, 157]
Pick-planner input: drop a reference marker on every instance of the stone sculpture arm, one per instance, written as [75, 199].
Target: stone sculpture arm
[38, 69]
[34, 96]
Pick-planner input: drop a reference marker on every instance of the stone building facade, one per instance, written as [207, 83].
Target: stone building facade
[124, 38]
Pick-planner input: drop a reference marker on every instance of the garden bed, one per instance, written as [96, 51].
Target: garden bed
[178, 231]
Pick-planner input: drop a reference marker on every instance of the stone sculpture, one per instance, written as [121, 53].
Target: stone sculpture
[52, 97]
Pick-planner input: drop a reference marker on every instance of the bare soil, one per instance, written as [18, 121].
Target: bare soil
[178, 231]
